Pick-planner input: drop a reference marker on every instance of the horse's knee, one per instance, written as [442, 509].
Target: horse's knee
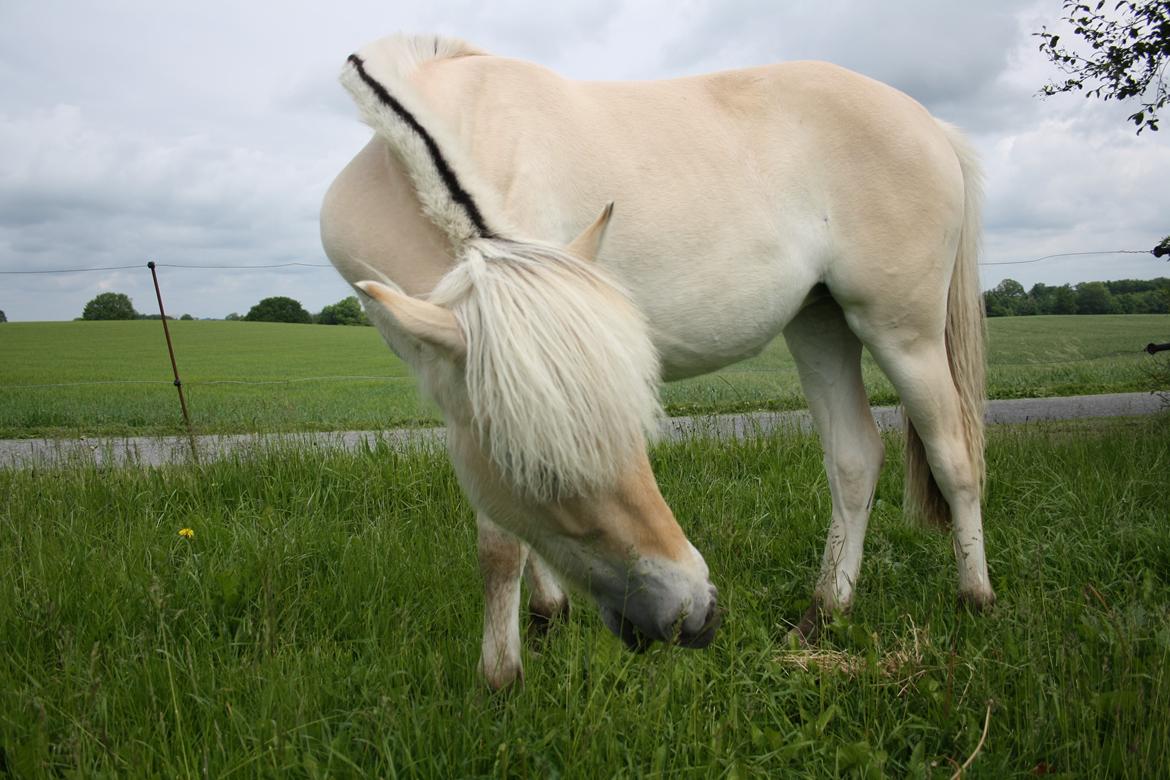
[856, 470]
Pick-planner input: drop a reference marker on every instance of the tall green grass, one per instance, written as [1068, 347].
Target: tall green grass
[324, 621]
[244, 377]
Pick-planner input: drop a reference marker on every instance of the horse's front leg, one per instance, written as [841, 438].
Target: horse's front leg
[828, 358]
[501, 563]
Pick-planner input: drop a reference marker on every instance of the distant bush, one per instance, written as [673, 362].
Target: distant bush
[109, 306]
[278, 309]
[347, 311]
[3, 318]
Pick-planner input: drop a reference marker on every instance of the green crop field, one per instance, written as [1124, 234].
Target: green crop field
[113, 378]
[324, 622]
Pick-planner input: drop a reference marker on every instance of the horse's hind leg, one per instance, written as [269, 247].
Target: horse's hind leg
[921, 373]
[828, 357]
[501, 562]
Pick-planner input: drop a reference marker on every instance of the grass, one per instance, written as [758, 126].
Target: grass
[325, 620]
[113, 378]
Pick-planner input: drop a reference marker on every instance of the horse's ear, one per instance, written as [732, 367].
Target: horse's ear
[425, 321]
[586, 245]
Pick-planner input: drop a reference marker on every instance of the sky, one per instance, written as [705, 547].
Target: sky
[207, 133]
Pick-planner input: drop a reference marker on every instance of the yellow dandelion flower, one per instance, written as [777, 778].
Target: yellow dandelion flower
[187, 533]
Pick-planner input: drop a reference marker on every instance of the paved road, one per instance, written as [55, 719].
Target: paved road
[177, 449]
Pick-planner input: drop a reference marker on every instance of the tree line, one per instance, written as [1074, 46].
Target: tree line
[279, 308]
[1125, 296]
[1006, 299]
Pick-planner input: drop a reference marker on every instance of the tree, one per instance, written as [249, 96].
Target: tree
[186, 317]
[1064, 300]
[1042, 295]
[994, 305]
[1128, 55]
[278, 309]
[109, 306]
[233, 317]
[1007, 298]
[3, 318]
[1094, 298]
[347, 311]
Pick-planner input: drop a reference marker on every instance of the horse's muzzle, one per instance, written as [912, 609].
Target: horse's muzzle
[638, 641]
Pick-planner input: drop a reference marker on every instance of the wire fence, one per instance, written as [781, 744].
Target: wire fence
[1155, 252]
[170, 265]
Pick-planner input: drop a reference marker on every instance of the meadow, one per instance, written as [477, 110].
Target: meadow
[324, 622]
[113, 378]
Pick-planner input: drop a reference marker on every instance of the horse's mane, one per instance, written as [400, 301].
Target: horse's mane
[379, 79]
[561, 373]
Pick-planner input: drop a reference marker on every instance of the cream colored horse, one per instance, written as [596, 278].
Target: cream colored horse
[798, 198]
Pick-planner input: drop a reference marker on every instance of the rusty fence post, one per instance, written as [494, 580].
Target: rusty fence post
[174, 365]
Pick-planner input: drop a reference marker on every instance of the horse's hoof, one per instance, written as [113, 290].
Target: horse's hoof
[977, 601]
[501, 682]
[808, 629]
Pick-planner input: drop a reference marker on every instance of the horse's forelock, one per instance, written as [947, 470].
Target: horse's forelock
[561, 374]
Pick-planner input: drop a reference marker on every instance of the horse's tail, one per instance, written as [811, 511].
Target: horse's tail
[965, 336]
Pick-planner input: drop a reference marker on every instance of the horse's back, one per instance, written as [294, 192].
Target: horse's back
[736, 192]
[776, 146]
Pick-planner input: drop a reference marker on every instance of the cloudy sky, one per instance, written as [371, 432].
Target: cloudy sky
[207, 133]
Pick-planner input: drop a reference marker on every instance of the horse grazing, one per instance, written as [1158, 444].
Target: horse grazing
[797, 198]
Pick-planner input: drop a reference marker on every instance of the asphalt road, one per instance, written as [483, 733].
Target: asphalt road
[144, 450]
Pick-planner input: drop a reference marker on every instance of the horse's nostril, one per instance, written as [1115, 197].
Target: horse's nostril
[703, 637]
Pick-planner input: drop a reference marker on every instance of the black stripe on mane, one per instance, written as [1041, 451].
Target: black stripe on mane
[454, 188]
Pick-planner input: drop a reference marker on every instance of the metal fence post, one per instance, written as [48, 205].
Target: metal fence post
[174, 366]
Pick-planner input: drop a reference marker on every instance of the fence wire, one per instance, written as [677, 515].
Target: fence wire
[298, 264]
[172, 265]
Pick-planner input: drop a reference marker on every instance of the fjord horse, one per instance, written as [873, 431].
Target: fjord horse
[797, 198]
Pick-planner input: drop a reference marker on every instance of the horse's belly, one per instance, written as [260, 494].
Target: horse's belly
[704, 323]
[685, 360]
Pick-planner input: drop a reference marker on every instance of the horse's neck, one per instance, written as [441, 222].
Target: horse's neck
[372, 225]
